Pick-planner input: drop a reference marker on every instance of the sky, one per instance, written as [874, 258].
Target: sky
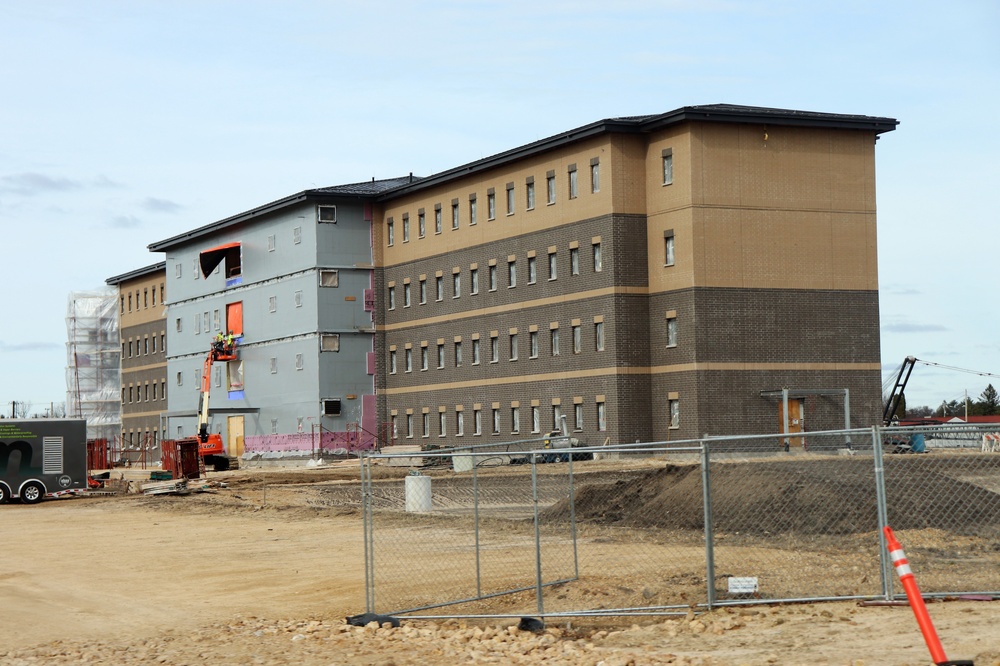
[125, 123]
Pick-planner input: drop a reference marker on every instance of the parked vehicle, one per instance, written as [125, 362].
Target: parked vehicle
[42, 457]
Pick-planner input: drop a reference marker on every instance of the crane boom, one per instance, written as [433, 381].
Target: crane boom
[892, 404]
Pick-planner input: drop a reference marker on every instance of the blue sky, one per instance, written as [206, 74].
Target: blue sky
[125, 123]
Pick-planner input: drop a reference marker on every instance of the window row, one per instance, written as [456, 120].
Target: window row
[144, 393]
[511, 344]
[510, 199]
[144, 347]
[501, 420]
[492, 277]
[148, 298]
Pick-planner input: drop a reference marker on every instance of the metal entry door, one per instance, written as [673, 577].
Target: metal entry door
[796, 410]
[234, 442]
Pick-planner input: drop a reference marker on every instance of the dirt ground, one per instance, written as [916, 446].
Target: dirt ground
[265, 570]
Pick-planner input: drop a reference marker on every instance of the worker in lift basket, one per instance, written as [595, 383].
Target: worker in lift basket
[219, 343]
[230, 342]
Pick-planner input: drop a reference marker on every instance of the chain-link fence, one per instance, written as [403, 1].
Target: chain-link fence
[520, 529]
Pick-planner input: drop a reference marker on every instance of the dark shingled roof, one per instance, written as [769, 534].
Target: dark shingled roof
[720, 113]
[387, 189]
[364, 190]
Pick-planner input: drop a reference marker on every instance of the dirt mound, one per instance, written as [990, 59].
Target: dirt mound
[797, 497]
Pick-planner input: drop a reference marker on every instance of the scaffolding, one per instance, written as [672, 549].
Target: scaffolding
[93, 371]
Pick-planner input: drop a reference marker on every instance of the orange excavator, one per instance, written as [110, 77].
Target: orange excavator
[210, 445]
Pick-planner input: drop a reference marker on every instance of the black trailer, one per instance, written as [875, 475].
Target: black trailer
[40, 457]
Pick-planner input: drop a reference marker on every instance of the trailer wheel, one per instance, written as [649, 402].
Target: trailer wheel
[32, 492]
[4, 494]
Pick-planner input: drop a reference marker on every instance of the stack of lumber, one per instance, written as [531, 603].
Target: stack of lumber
[172, 487]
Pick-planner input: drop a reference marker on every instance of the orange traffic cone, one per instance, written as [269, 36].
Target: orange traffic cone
[909, 582]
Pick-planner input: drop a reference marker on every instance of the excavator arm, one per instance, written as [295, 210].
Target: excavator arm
[892, 404]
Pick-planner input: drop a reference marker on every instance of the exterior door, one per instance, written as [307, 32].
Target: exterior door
[234, 443]
[796, 410]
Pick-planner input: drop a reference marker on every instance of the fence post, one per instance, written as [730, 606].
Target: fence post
[885, 566]
[475, 512]
[572, 519]
[706, 499]
[366, 531]
[538, 536]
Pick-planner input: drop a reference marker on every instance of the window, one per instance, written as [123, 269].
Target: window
[437, 218]
[330, 342]
[274, 365]
[598, 261]
[390, 232]
[298, 298]
[532, 270]
[454, 214]
[180, 379]
[442, 416]
[392, 298]
[494, 349]
[272, 303]
[440, 352]
[533, 344]
[130, 349]
[556, 417]
[668, 166]
[554, 339]
[423, 291]
[408, 360]
[177, 272]
[300, 362]
[475, 351]
[456, 285]
[510, 198]
[474, 280]
[576, 340]
[326, 214]
[477, 422]
[529, 191]
[123, 302]
[296, 237]
[668, 247]
[421, 225]
[515, 419]
[423, 358]
[493, 278]
[406, 294]
[573, 186]
[536, 419]
[599, 336]
[178, 325]
[602, 416]
[406, 229]
[472, 210]
[671, 331]
[270, 243]
[459, 423]
[458, 354]
[675, 413]
[574, 261]
[409, 426]
[496, 421]
[395, 426]
[595, 175]
[511, 273]
[553, 272]
[216, 320]
[425, 419]
[392, 361]
[439, 287]
[550, 188]
[513, 346]
[154, 344]
[578, 416]
[491, 204]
